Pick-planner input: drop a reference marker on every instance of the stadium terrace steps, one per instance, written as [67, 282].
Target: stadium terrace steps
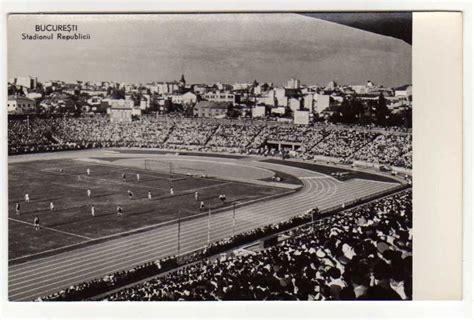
[168, 134]
[352, 155]
[211, 135]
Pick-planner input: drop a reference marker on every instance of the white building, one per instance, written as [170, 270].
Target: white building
[309, 101]
[403, 91]
[293, 84]
[331, 85]
[102, 93]
[189, 98]
[360, 89]
[241, 86]
[258, 111]
[281, 98]
[34, 95]
[218, 96]
[120, 110]
[301, 117]
[167, 87]
[294, 104]
[278, 110]
[20, 105]
[27, 82]
[322, 103]
[261, 88]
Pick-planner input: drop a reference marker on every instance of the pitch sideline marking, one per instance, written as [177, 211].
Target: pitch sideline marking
[151, 227]
[52, 229]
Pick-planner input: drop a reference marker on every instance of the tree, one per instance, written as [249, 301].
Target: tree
[350, 111]
[381, 111]
[233, 112]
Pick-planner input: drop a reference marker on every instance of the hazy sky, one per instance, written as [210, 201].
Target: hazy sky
[208, 48]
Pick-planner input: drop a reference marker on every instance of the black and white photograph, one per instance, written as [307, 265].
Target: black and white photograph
[210, 157]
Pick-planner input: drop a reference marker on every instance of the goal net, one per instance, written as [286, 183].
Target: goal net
[174, 170]
[159, 166]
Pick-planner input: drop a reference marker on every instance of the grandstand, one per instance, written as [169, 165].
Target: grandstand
[374, 145]
[167, 246]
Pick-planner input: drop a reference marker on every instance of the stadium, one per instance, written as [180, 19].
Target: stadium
[174, 208]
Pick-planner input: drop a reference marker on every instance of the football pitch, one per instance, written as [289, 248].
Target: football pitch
[65, 183]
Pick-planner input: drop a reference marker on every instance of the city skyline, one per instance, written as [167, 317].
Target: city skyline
[236, 47]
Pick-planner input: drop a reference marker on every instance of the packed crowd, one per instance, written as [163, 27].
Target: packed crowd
[375, 146]
[388, 149]
[287, 133]
[191, 133]
[342, 143]
[27, 133]
[89, 289]
[234, 136]
[363, 253]
[101, 131]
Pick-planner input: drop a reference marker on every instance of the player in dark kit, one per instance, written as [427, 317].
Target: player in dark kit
[36, 223]
[123, 177]
[17, 208]
[130, 194]
[119, 211]
[222, 197]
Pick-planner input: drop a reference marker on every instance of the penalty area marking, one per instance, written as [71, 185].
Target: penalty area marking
[52, 229]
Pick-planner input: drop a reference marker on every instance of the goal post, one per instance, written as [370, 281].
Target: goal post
[159, 166]
[173, 169]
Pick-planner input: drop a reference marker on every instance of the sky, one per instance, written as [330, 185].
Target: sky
[207, 48]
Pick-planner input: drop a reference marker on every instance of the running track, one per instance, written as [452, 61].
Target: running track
[43, 276]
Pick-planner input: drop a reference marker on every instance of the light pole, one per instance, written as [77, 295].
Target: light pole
[209, 227]
[28, 125]
[179, 231]
[233, 219]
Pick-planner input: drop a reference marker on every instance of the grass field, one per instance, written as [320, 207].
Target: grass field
[72, 222]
